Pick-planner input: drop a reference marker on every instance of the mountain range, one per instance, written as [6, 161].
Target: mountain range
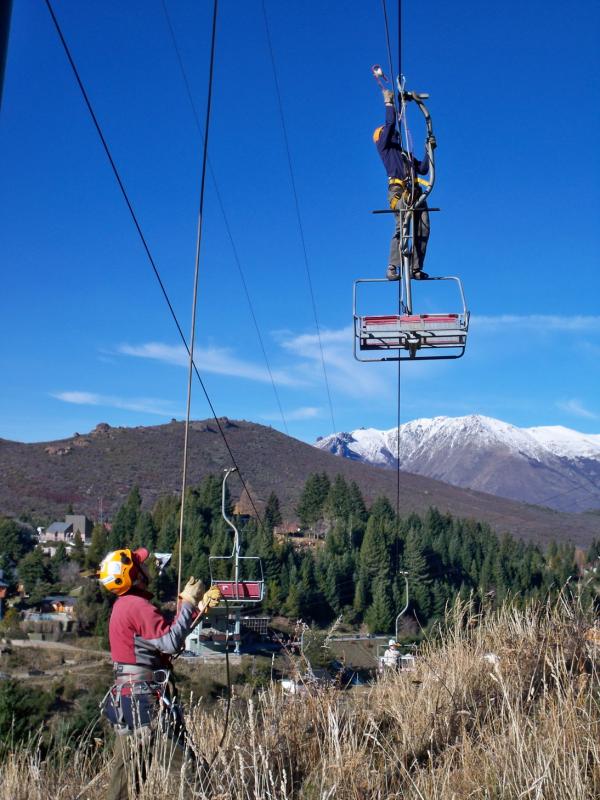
[42, 479]
[552, 466]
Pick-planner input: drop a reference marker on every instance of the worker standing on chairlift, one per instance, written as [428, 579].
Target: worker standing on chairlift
[403, 192]
[142, 703]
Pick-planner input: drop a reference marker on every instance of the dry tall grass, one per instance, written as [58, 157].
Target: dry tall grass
[522, 725]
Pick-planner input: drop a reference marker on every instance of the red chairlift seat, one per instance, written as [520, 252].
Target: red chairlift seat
[242, 590]
[423, 336]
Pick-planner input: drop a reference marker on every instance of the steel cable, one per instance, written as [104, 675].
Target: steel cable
[146, 247]
[195, 290]
[298, 215]
[221, 204]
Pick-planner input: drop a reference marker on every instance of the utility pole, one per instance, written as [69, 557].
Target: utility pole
[5, 13]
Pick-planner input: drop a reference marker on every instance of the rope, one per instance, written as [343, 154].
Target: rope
[195, 290]
[298, 215]
[146, 247]
[221, 204]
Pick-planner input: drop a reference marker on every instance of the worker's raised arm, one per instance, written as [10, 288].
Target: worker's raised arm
[388, 130]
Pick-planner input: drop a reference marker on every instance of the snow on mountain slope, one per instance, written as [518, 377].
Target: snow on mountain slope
[546, 465]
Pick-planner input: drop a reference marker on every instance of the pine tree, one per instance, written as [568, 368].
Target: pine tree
[419, 580]
[338, 502]
[33, 569]
[98, 547]
[78, 550]
[144, 534]
[312, 499]
[380, 616]
[125, 521]
[58, 560]
[374, 559]
[272, 516]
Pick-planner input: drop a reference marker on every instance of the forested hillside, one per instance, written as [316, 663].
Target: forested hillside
[349, 561]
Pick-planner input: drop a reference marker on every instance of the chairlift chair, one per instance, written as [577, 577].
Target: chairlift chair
[240, 591]
[409, 336]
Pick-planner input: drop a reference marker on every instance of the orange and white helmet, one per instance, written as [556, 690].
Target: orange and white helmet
[120, 569]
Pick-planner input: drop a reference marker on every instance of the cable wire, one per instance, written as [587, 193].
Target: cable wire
[195, 290]
[146, 246]
[221, 205]
[297, 206]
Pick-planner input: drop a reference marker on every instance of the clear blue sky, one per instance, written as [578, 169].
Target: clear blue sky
[85, 334]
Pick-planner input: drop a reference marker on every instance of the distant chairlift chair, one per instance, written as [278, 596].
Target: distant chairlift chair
[239, 591]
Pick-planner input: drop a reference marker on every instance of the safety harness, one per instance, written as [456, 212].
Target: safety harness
[137, 697]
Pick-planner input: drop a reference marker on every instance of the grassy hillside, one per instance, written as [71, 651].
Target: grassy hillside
[501, 706]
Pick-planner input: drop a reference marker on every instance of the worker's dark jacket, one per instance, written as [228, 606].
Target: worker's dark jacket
[389, 147]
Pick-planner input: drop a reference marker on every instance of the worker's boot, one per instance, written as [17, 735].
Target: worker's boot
[393, 273]
[419, 275]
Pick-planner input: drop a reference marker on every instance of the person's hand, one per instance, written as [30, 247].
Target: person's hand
[388, 97]
[192, 591]
[211, 598]
[431, 141]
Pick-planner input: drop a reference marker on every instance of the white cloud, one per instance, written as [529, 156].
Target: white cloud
[576, 407]
[538, 322]
[304, 412]
[345, 374]
[146, 405]
[217, 360]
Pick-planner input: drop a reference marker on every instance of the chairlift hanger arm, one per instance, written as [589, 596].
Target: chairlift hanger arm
[419, 99]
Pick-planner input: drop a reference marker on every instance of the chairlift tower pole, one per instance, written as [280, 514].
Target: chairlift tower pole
[401, 614]
[235, 554]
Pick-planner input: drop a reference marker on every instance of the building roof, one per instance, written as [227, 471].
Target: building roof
[59, 527]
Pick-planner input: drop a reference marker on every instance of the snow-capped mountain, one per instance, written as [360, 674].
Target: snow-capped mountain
[552, 466]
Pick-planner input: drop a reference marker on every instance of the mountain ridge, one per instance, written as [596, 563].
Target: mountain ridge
[43, 478]
[546, 465]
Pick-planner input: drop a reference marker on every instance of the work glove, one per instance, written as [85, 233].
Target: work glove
[432, 142]
[388, 97]
[211, 598]
[192, 591]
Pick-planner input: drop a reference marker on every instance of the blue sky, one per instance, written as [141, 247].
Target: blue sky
[86, 336]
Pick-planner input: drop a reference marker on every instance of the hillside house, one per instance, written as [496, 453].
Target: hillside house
[66, 532]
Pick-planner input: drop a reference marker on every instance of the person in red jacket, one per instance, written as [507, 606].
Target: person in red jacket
[142, 700]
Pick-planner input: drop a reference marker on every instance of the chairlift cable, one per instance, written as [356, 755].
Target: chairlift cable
[146, 247]
[221, 205]
[400, 114]
[195, 289]
[297, 207]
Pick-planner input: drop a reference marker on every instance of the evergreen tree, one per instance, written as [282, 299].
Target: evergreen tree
[419, 580]
[125, 521]
[78, 550]
[58, 560]
[33, 569]
[272, 515]
[15, 542]
[374, 559]
[144, 534]
[380, 616]
[338, 504]
[361, 596]
[312, 499]
[98, 547]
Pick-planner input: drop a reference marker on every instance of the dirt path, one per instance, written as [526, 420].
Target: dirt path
[56, 646]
